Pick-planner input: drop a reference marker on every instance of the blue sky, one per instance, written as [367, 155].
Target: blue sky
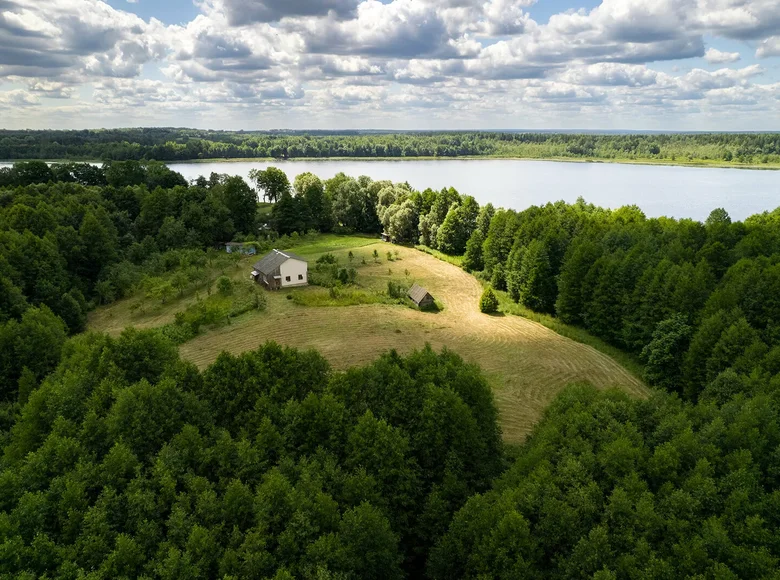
[168, 11]
[391, 64]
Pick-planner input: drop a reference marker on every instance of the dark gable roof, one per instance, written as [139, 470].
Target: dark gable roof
[417, 293]
[271, 261]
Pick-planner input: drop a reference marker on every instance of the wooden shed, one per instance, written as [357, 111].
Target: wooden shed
[421, 297]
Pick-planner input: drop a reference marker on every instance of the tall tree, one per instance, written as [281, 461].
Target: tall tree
[241, 202]
[273, 181]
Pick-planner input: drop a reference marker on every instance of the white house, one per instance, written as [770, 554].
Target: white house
[281, 270]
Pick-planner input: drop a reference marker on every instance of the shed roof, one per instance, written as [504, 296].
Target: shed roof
[271, 261]
[418, 293]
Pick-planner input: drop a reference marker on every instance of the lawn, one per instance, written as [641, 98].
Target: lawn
[527, 363]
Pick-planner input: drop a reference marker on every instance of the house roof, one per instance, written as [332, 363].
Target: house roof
[417, 293]
[271, 261]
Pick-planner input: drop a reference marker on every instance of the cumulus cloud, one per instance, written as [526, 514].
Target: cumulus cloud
[241, 12]
[715, 56]
[61, 36]
[17, 99]
[769, 47]
[456, 59]
[611, 74]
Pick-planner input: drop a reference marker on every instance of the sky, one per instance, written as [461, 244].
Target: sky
[682, 65]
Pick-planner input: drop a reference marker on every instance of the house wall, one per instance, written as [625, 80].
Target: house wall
[268, 280]
[297, 271]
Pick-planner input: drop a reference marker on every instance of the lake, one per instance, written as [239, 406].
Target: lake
[659, 190]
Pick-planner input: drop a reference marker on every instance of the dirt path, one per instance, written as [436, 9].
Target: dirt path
[527, 362]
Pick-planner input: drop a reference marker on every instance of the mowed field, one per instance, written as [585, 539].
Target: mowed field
[526, 363]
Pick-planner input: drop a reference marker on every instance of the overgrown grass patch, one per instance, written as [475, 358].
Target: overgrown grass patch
[340, 296]
[456, 260]
[325, 243]
[215, 311]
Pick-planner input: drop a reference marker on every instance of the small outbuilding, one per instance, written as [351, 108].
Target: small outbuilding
[280, 269]
[421, 297]
[387, 237]
[240, 248]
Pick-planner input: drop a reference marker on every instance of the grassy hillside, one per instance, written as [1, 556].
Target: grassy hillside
[527, 363]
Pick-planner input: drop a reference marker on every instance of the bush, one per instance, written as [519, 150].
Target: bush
[488, 303]
[396, 289]
[327, 259]
[224, 285]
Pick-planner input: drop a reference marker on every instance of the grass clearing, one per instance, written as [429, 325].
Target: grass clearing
[527, 363]
[508, 306]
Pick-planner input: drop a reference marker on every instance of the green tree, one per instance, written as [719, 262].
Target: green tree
[224, 285]
[99, 244]
[663, 355]
[537, 282]
[309, 187]
[273, 181]
[572, 292]
[472, 261]
[124, 173]
[241, 202]
[488, 303]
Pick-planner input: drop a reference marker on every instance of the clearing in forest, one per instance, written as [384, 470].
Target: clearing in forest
[527, 363]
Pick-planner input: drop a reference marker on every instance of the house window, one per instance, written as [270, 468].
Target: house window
[300, 276]
[287, 278]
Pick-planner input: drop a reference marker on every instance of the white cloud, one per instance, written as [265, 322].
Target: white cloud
[17, 99]
[769, 47]
[411, 62]
[715, 56]
[611, 74]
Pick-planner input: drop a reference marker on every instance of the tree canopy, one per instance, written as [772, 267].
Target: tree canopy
[168, 144]
[129, 462]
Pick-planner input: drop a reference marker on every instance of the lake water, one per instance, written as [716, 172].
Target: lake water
[659, 190]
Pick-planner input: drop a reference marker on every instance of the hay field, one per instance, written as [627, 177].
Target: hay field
[526, 362]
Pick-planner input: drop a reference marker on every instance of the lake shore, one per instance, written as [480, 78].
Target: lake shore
[704, 163]
[701, 163]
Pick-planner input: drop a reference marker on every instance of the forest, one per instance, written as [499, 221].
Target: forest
[169, 144]
[120, 460]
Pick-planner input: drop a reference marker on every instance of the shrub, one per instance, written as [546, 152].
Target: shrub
[396, 289]
[224, 285]
[327, 259]
[488, 303]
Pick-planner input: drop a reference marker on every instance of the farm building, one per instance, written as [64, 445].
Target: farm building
[387, 237]
[239, 247]
[281, 270]
[421, 297]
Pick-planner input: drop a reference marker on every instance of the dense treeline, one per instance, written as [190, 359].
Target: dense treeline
[128, 462]
[75, 235]
[613, 488]
[697, 302]
[167, 144]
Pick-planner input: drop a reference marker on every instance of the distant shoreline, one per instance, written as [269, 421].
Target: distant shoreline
[706, 164]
